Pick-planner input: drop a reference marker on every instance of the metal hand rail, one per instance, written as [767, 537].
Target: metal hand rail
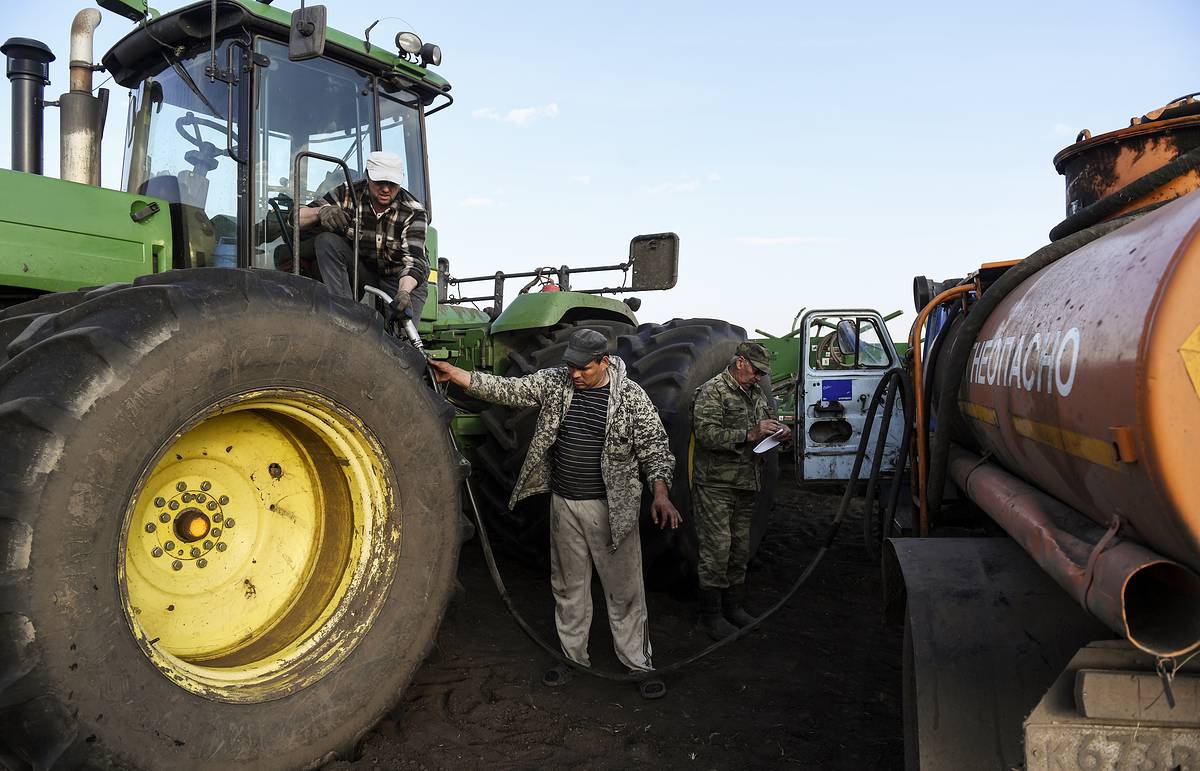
[296, 211]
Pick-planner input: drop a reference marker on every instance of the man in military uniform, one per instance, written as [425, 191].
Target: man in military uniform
[730, 415]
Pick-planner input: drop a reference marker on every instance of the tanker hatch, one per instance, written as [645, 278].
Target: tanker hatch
[1152, 161]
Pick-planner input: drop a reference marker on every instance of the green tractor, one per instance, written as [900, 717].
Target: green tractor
[230, 508]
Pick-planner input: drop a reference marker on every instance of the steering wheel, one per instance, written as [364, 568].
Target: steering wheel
[828, 347]
[193, 121]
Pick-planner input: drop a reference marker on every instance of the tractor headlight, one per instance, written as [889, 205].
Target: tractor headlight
[431, 55]
[408, 42]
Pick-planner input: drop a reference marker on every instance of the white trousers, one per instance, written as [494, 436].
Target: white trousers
[579, 538]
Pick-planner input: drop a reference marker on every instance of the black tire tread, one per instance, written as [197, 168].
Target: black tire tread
[62, 353]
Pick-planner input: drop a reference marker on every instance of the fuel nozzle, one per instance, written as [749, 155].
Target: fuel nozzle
[404, 319]
[410, 331]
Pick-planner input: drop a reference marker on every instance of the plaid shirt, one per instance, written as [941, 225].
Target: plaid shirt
[396, 237]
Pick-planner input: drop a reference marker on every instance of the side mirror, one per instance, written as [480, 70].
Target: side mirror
[307, 40]
[847, 338]
[655, 261]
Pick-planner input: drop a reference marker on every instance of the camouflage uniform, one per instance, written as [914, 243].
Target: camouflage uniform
[587, 534]
[636, 437]
[726, 476]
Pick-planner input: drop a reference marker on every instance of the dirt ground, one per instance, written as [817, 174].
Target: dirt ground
[817, 686]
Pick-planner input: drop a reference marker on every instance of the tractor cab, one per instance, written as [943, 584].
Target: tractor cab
[235, 129]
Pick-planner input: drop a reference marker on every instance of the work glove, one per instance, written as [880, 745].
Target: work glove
[399, 304]
[334, 218]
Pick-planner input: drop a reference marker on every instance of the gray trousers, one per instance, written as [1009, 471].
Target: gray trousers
[335, 259]
[579, 538]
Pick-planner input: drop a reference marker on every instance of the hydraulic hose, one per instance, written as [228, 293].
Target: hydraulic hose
[957, 358]
[1116, 201]
[894, 381]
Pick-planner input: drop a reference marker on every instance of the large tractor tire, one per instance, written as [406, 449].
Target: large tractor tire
[525, 531]
[670, 361]
[228, 525]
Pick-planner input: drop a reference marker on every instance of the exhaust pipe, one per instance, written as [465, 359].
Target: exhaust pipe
[82, 115]
[29, 72]
[1151, 601]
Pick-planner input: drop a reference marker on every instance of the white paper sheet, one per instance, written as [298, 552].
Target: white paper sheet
[770, 442]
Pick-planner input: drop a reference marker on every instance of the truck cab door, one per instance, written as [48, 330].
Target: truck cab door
[844, 355]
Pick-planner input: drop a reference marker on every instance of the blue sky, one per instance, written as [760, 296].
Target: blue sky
[807, 154]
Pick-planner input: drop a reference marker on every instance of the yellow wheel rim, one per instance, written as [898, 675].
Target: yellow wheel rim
[251, 539]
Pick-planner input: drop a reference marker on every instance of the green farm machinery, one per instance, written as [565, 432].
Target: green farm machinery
[229, 506]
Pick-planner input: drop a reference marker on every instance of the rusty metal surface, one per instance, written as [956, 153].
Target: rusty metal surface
[1137, 697]
[1098, 166]
[1152, 602]
[1059, 738]
[1089, 376]
[988, 633]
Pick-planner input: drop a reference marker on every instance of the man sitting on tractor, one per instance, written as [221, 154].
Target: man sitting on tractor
[391, 249]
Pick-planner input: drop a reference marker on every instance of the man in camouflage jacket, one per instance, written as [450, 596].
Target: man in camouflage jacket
[730, 415]
[597, 527]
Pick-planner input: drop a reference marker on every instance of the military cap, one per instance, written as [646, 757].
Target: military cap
[756, 354]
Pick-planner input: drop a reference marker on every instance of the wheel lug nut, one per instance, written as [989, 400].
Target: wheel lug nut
[228, 523]
[156, 552]
[173, 505]
[151, 527]
[164, 517]
[169, 545]
[206, 485]
[195, 551]
[200, 497]
[217, 517]
[224, 499]
[187, 497]
[216, 532]
[222, 546]
[177, 565]
[181, 486]
[160, 501]
[212, 506]
[200, 563]
[208, 544]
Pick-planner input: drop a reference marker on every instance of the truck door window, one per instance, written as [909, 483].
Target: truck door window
[849, 342]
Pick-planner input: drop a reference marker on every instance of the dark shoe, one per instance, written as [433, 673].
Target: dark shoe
[559, 674]
[711, 620]
[652, 688]
[731, 600]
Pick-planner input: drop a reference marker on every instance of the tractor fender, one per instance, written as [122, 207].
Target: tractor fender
[540, 310]
[986, 632]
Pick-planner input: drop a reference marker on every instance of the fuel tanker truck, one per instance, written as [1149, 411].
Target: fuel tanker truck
[1050, 593]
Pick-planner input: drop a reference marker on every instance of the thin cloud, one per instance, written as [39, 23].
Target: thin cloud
[477, 202]
[788, 240]
[518, 116]
[672, 188]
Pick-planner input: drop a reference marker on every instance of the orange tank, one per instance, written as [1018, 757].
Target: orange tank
[1085, 380]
